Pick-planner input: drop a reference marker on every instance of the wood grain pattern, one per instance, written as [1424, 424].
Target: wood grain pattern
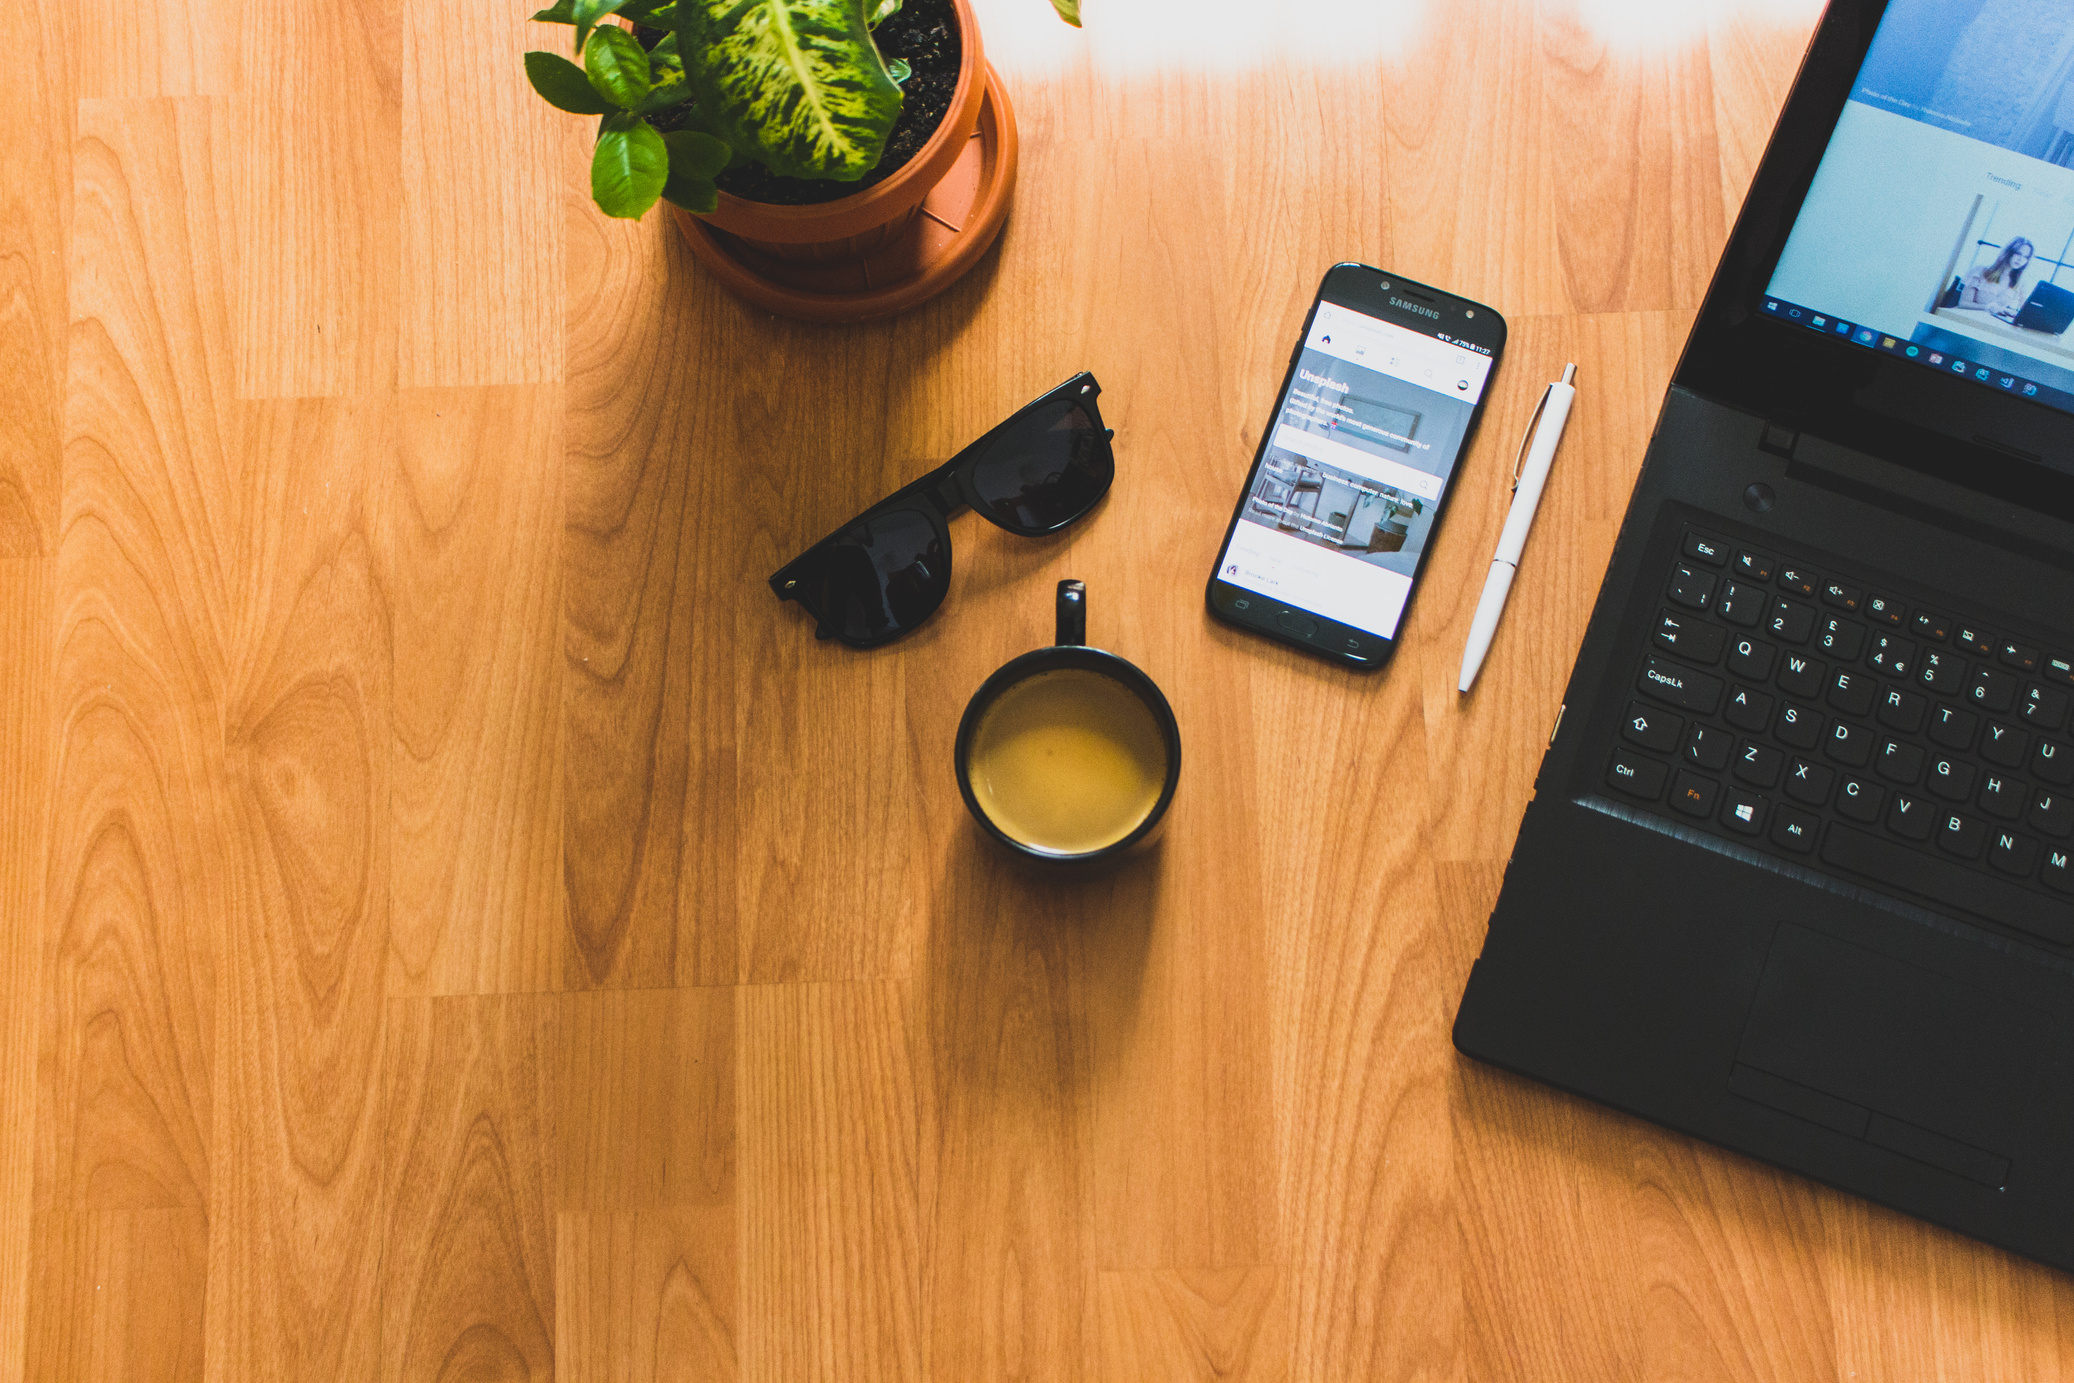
[455, 924]
[468, 1288]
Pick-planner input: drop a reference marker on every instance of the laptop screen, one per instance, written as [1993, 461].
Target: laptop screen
[1939, 228]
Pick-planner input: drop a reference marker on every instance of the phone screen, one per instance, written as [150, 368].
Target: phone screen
[1355, 466]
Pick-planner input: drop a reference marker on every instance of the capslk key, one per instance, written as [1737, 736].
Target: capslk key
[1680, 686]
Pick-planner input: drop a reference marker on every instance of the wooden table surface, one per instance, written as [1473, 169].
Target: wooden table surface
[456, 924]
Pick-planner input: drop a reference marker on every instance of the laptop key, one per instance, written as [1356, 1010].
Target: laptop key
[2054, 762]
[2022, 657]
[1852, 692]
[1801, 675]
[1691, 588]
[1953, 728]
[2003, 796]
[1903, 710]
[1842, 639]
[1705, 549]
[1952, 779]
[1693, 794]
[1749, 710]
[1799, 726]
[1752, 658]
[1961, 835]
[2053, 813]
[1950, 885]
[1637, 776]
[2013, 854]
[1885, 609]
[1809, 782]
[1992, 688]
[1759, 764]
[1743, 811]
[1794, 829]
[1935, 628]
[1978, 640]
[1754, 565]
[1841, 596]
[1652, 729]
[1680, 686]
[1942, 672]
[1742, 604]
[1799, 580]
[1849, 744]
[1791, 621]
[1911, 817]
[1891, 654]
[1688, 637]
[2042, 707]
[1898, 762]
[2004, 745]
[2057, 872]
[1860, 800]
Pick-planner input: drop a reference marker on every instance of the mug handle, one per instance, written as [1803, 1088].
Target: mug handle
[1072, 612]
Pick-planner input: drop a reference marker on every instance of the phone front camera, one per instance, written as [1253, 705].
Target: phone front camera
[1470, 313]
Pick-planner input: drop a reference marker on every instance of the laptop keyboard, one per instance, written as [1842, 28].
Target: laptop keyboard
[1807, 714]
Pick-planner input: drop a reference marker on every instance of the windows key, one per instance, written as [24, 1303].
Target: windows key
[1743, 811]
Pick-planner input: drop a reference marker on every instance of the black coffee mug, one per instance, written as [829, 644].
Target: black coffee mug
[1069, 753]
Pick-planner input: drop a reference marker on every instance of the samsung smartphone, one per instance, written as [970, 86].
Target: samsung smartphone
[1385, 388]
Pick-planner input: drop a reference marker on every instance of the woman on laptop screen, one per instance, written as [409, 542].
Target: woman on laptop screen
[1997, 288]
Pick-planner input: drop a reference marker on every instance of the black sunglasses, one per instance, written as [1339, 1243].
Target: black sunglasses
[885, 571]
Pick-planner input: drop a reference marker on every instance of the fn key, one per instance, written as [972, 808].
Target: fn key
[1637, 776]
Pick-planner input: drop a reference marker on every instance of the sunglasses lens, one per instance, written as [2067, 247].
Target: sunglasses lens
[876, 579]
[1046, 470]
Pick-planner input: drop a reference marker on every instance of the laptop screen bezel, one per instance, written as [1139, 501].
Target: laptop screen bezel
[2011, 449]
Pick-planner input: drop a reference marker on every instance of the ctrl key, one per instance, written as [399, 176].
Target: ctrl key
[1637, 776]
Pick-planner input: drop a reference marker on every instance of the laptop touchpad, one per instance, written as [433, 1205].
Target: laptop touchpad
[1920, 1064]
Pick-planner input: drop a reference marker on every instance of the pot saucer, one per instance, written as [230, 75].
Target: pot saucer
[958, 222]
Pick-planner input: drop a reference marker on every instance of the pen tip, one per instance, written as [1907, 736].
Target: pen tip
[1569, 372]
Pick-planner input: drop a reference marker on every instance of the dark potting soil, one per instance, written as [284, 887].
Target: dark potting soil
[925, 32]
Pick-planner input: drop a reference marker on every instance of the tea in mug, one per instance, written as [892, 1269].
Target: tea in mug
[1068, 761]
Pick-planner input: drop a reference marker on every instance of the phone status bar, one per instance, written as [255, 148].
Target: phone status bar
[1930, 357]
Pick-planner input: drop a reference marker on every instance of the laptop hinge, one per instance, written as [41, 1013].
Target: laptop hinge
[1779, 441]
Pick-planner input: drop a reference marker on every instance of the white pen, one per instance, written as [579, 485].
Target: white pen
[1527, 481]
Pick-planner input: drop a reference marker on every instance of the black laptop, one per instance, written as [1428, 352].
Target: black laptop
[2049, 309]
[1796, 874]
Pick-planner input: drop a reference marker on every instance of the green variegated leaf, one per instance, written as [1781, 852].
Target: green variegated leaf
[1069, 10]
[628, 170]
[617, 66]
[795, 83]
[898, 70]
[561, 84]
[883, 11]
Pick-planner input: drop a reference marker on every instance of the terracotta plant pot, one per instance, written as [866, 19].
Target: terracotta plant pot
[893, 244]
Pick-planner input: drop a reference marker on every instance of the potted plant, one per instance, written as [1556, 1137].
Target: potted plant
[828, 159]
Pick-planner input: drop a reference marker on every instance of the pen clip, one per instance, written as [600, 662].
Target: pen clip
[1528, 436]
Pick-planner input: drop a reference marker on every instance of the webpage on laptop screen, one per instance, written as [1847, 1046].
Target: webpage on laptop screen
[1364, 442]
[1940, 224]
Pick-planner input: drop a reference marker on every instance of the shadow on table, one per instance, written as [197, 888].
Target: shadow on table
[1032, 975]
